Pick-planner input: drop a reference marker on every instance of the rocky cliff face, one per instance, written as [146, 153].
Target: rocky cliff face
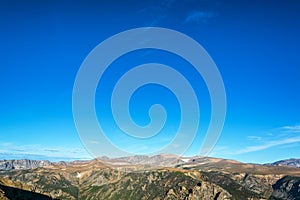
[194, 178]
[22, 164]
[157, 160]
[286, 188]
[155, 184]
[289, 162]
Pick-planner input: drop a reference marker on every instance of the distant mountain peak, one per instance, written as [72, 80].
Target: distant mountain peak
[292, 162]
[23, 164]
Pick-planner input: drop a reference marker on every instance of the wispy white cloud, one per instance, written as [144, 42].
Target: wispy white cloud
[268, 144]
[252, 137]
[286, 136]
[291, 129]
[12, 151]
[197, 16]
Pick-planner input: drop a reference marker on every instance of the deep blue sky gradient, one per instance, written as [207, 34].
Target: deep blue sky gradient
[255, 45]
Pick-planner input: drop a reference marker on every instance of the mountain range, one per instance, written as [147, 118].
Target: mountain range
[155, 177]
[293, 162]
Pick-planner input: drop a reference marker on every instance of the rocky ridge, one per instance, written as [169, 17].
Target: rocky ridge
[23, 164]
[293, 162]
[147, 178]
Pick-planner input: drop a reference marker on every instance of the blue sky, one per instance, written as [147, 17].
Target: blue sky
[253, 43]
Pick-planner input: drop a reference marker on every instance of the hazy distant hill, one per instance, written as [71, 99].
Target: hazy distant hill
[143, 177]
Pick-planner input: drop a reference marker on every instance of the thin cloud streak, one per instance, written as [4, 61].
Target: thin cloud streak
[268, 145]
[282, 137]
[251, 137]
[291, 129]
[199, 16]
[9, 150]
